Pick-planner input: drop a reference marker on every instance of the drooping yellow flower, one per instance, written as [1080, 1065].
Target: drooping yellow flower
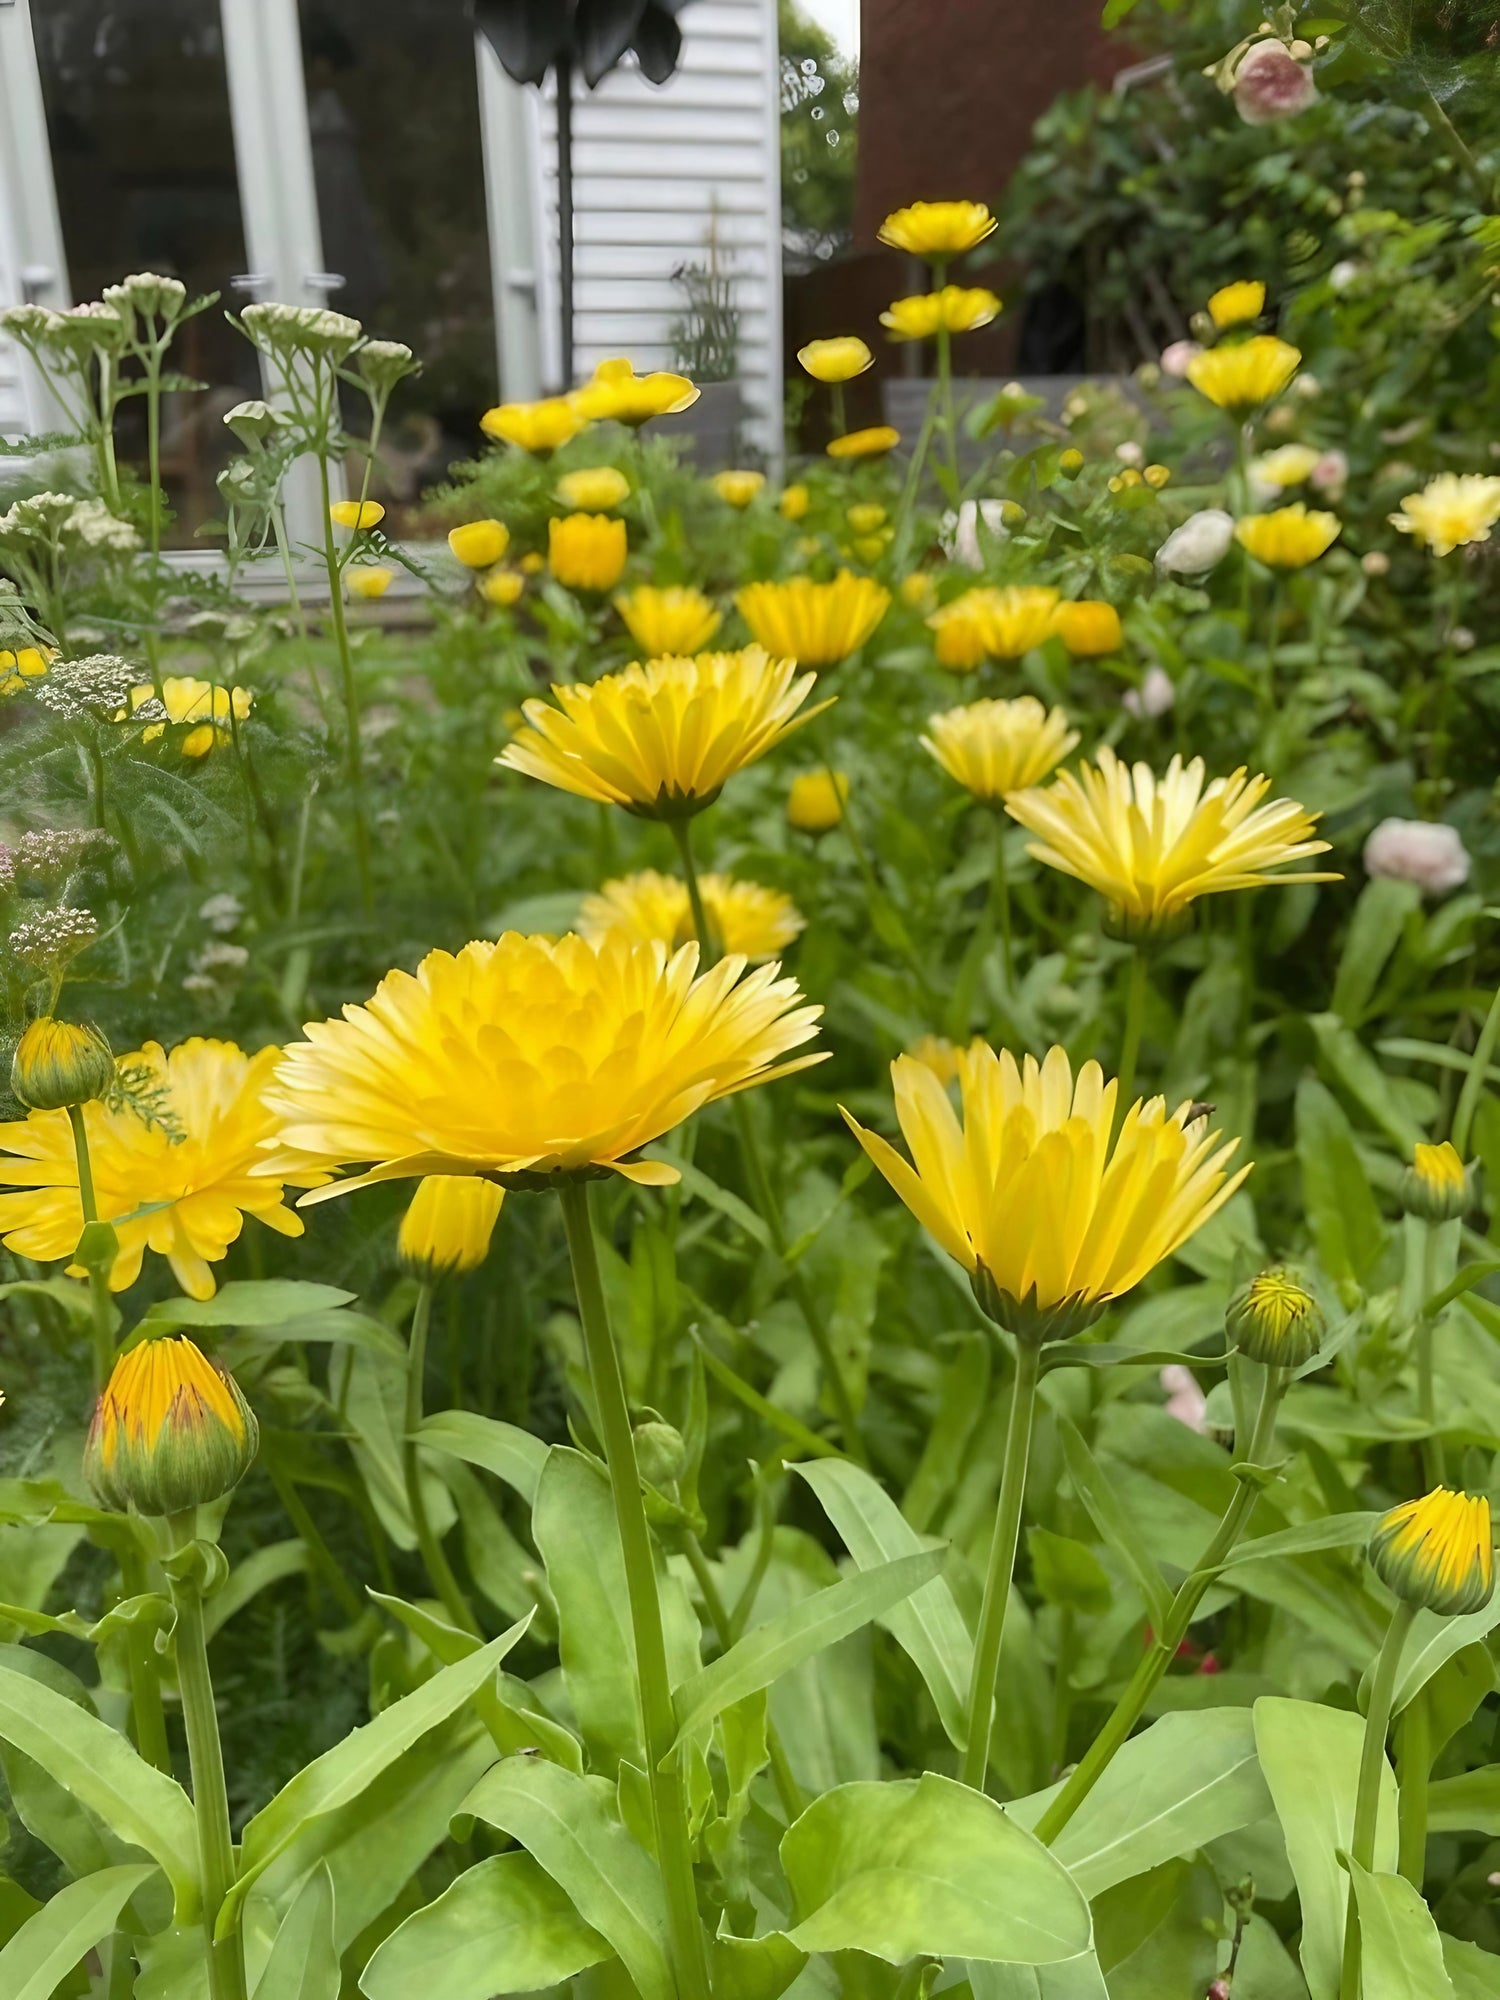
[587, 551]
[532, 1057]
[539, 427]
[209, 706]
[815, 800]
[502, 587]
[16, 669]
[665, 738]
[672, 621]
[1237, 304]
[738, 489]
[1241, 375]
[747, 919]
[593, 489]
[1436, 1186]
[1151, 846]
[1088, 627]
[356, 513]
[1050, 1219]
[1274, 1319]
[836, 360]
[369, 580]
[954, 309]
[179, 1185]
[171, 1431]
[864, 444]
[993, 748]
[1288, 465]
[937, 230]
[447, 1229]
[815, 624]
[1437, 1552]
[479, 544]
[1288, 537]
[616, 392]
[793, 504]
[1451, 511]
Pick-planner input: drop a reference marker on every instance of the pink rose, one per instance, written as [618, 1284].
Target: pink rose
[1270, 83]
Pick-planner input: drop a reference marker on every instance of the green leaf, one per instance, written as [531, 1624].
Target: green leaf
[511, 1454]
[772, 1649]
[1433, 1641]
[1401, 1954]
[1116, 1529]
[1346, 1060]
[1341, 1208]
[72, 1294]
[1475, 1974]
[48, 1946]
[1068, 1573]
[100, 1769]
[304, 1961]
[1380, 916]
[928, 1626]
[264, 1566]
[1310, 1757]
[697, 1186]
[1334, 1531]
[569, 1826]
[1070, 1979]
[1469, 1275]
[252, 1302]
[759, 1968]
[924, 1866]
[503, 1927]
[1468, 1803]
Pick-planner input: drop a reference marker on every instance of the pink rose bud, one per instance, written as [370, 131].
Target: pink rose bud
[1270, 84]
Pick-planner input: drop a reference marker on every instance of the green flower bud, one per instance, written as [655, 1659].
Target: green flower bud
[384, 363]
[1437, 1552]
[253, 422]
[59, 1063]
[171, 1431]
[1435, 1185]
[1070, 464]
[1275, 1319]
[660, 1454]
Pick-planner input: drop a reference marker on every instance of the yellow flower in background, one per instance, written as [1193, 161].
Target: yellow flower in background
[204, 703]
[479, 544]
[1288, 465]
[587, 551]
[942, 1057]
[192, 1174]
[530, 1057]
[171, 1431]
[594, 489]
[954, 309]
[539, 427]
[917, 591]
[1436, 1185]
[866, 517]
[447, 1229]
[815, 624]
[738, 489]
[1438, 1552]
[1049, 1218]
[1451, 511]
[1014, 619]
[502, 587]
[993, 748]
[28, 664]
[958, 634]
[864, 444]
[793, 504]
[616, 392]
[369, 580]
[1246, 373]
[1236, 304]
[533, 563]
[665, 738]
[836, 360]
[672, 621]
[937, 230]
[1151, 846]
[815, 800]
[1157, 476]
[747, 919]
[1089, 628]
[1289, 537]
[356, 513]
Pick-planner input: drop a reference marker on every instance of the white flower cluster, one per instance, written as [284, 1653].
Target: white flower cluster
[147, 293]
[317, 331]
[98, 685]
[51, 937]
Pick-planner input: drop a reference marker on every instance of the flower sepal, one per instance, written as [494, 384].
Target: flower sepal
[1127, 927]
[1032, 1324]
[197, 1565]
[1250, 1473]
[98, 1246]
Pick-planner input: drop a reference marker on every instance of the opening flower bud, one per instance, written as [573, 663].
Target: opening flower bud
[1275, 1319]
[60, 1063]
[170, 1432]
[1435, 1185]
[447, 1229]
[1437, 1552]
[660, 1454]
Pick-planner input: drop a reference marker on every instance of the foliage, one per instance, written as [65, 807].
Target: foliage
[819, 123]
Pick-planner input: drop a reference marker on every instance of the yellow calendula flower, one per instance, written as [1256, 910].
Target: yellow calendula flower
[58, 1063]
[1451, 511]
[587, 551]
[1243, 374]
[1014, 619]
[594, 489]
[171, 1431]
[1435, 1186]
[1288, 465]
[1237, 304]
[815, 800]
[815, 624]
[1151, 846]
[663, 739]
[666, 622]
[617, 393]
[864, 444]
[953, 309]
[794, 502]
[28, 664]
[942, 1057]
[1048, 1217]
[866, 517]
[937, 230]
[530, 1058]
[179, 1185]
[1275, 1319]
[747, 919]
[1088, 627]
[836, 360]
[737, 489]
[356, 513]
[502, 587]
[479, 544]
[917, 591]
[993, 748]
[1288, 537]
[447, 1229]
[210, 707]
[369, 580]
[539, 427]
[1437, 1552]
[958, 634]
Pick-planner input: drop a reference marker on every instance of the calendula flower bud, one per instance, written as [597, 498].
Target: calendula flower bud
[1275, 1319]
[479, 544]
[1070, 462]
[447, 1229]
[1437, 1552]
[171, 1431]
[60, 1063]
[660, 1454]
[1435, 1185]
[815, 803]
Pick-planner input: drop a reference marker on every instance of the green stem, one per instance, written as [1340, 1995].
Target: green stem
[708, 944]
[1367, 1798]
[1273, 627]
[351, 692]
[1473, 1090]
[945, 397]
[653, 1685]
[997, 1582]
[1130, 1042]
[439, 1571]
[100, 1304]
[226, 1956]
[840, 422]
[1478, 179]
[1129, 1709]
[1416, 1769]
[108, 469]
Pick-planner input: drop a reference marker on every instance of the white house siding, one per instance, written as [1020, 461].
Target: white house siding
[31, 252]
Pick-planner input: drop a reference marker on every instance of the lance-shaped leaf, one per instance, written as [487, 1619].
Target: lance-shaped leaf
[48, 1945]
[511, 1454]
[1400, 1950]
[304, 1961]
